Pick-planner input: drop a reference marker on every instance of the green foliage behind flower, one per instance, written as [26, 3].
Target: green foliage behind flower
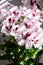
[16, 54]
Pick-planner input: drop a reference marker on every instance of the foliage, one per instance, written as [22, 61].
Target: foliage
[16, 54]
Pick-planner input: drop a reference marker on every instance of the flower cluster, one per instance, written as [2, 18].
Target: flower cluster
[24, 25]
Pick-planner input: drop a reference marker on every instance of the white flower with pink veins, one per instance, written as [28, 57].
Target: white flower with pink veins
[24, 25]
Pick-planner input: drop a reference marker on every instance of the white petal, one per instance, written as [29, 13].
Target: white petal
[21, 42]
[28, 45]
[38, 46]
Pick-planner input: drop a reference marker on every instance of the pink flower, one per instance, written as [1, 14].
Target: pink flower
[35, 1]
[30, 3]
[41, 14]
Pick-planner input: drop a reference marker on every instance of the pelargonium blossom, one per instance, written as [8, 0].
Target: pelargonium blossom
[24, 25]
[30, 3]
[5, 7]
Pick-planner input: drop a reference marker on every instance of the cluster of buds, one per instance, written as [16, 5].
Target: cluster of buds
[24, 24]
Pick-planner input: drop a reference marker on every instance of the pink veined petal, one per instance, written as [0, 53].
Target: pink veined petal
[41, 14]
